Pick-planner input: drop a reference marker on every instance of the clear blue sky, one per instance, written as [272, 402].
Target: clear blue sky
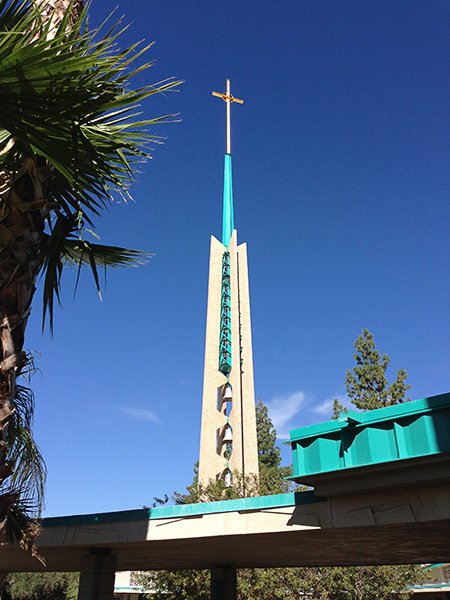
[341, 167]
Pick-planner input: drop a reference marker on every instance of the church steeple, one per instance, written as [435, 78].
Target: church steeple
[228, 442]
[228, 215]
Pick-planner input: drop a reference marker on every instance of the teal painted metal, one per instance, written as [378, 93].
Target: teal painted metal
[427, 586]
[225, 309]
[238, 505]
[182, 510]
[225, 318]
[403, 431]
[139, 514]
[228, 214]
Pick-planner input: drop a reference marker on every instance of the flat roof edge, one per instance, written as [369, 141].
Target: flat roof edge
[186, 510]
[236, 505]
[138, 514]
[371, 417]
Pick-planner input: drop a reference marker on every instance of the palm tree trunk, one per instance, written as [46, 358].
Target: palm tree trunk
[55, 11]
[22, 220]
[21, 227]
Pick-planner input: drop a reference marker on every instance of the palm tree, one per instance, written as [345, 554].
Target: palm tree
[69, 142]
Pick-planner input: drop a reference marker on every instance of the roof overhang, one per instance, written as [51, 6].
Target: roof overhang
[401, 526]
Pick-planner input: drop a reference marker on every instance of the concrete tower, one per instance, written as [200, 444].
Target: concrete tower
[228, 440]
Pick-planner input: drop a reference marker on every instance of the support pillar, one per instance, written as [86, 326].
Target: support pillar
[98, 571]
[223, 584]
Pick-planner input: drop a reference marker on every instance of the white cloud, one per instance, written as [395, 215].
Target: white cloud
[139, 413]
[326, 407]
[282, 409]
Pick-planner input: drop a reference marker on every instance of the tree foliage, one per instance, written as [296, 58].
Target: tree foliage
[268, 452]
[338, 408]
[30, 471]
[367, 386]
[272, 476]
[311, 583]
[37, 586]
[215, 489]
[327, 583]
[70, 139]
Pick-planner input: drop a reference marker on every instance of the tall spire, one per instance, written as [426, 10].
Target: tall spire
[228, 216]
[228, 442]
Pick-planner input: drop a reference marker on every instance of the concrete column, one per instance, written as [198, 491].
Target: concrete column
[98, 570]
[223, 584]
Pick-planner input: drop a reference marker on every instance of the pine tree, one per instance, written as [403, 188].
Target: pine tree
[272, 476]
[367, 386]
[338, 408]
[268, 453]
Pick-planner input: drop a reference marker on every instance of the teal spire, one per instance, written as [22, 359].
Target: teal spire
[228, 216]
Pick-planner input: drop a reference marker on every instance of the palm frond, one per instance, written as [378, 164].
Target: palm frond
[30, 472]
[11, 12]
[77, 251]
[60, 99]
[67, 245]
[22, 493]
[17, 527]
[67, 99]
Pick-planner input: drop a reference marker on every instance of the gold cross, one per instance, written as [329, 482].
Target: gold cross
[228, 98]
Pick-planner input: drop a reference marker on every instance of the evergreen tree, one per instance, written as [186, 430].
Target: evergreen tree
[272, 476]
[338, 408]
[268, 452]
[367, 386]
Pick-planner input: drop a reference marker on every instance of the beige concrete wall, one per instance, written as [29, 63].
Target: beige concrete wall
[124, 589]
[123, 579]
[236, 523]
